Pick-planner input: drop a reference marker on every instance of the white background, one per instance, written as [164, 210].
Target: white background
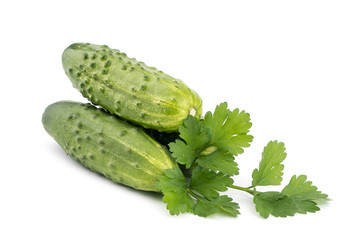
[293, 65]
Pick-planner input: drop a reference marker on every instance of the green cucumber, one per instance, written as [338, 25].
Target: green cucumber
[106, 144]
[128, 88]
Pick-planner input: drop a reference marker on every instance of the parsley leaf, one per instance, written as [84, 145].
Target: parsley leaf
[173, 185]
[200, 196]
[183, 153]
[300, 189]
[195, 135]
[304, 194]
[274, 203]
[194, 132]
[299, 196]
[205, 207]
[219, 161]
[270, 167]
[212, 142]
[208, 183]
[229, 129]
[305, 206]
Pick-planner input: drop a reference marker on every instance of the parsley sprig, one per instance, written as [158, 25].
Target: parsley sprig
[206, 151]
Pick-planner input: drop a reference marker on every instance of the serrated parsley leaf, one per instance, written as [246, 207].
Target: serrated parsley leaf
[178, 202]
[174, 187]
[209, 183]
[270, 167]
[194, 132]
[274, 203]
[304, 194]
[224, 133]
[229, 129]
[183, 153]
[195, 135]
[305, 206]
[200, 195]
[299, 196]
[300, 189]
[219, 161]
[172, 180]
[208, 206]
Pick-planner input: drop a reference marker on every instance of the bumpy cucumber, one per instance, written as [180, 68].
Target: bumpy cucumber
[128, 88]
[107, 144]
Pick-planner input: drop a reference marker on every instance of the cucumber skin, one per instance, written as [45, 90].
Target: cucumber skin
[128, 88]
[107, 144]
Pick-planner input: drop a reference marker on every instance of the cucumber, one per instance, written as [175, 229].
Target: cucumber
[106, 144]
[130, 89]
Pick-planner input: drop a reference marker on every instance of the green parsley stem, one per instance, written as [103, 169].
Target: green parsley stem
[248, 190]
